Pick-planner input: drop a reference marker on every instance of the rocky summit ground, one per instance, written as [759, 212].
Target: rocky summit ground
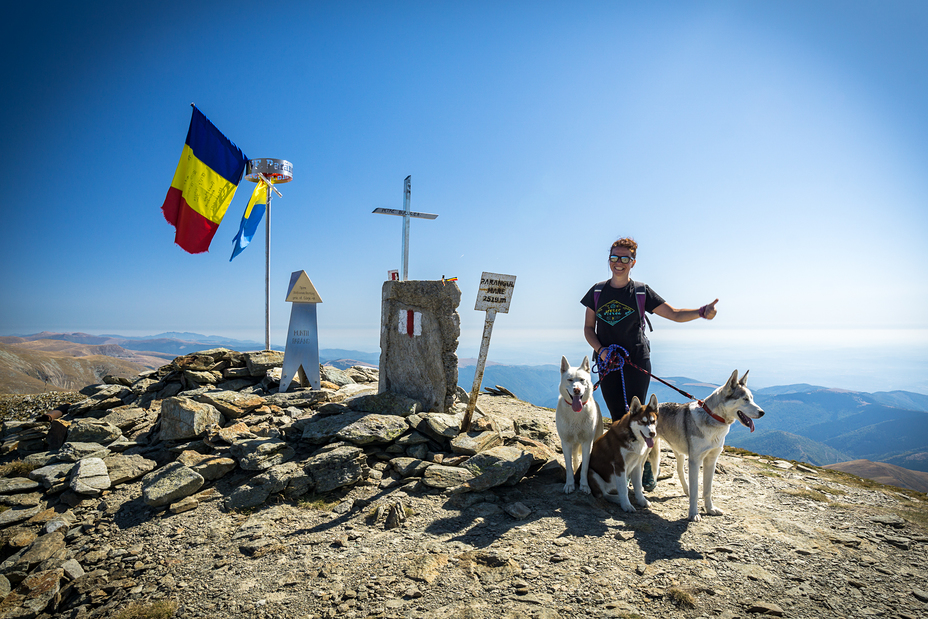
[794, 541]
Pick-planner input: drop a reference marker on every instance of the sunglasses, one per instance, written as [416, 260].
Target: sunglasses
[622, 259]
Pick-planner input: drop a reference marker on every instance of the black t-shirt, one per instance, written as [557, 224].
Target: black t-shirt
[617, 318]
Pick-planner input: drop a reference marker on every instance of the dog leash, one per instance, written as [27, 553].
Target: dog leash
[614, 351]
[616, 357]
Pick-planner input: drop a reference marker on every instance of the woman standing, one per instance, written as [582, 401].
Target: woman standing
[614, 316]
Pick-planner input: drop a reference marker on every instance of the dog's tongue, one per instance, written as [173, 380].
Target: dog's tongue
[577, 405]
[746, 421]
[649, 442]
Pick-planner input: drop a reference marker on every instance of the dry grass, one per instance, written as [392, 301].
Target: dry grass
[317, 502]
[682, 597]
[161, 609]
[16, 468]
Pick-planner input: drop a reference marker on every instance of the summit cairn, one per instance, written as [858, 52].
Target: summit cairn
[419, 329]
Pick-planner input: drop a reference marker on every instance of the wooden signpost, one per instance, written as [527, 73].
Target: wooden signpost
[302, 352]
[494, 296]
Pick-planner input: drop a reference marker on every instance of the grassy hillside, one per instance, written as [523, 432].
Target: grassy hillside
[884, 473]
[788, 446]
[24, 370]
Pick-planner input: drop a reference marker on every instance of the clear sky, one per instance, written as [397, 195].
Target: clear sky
[771, 154]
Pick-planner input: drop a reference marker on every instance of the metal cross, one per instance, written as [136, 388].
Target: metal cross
[405, 214]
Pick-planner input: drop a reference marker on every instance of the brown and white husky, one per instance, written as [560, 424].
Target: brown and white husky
[620, 453]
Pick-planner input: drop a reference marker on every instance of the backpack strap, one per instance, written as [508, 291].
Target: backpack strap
[598, 288]
[640, 296]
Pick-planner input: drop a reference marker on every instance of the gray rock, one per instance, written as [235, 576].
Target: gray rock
[129, 418]
[261, 454]
[29, 499]
[363, 374]
[92, 431]
[211, 467]
[90, 477]
[336, 467]
[33, 595]
[288, 478]
[386, 403]
[518, 510]
[472, 442]
[169, 484]
[11, 485]
[445, 477]
[321, 429]
[125, 468]
[336, 376]
[12, 516]
[231, 404]
[409, 467]
[202, 377]
[259, 362]
[443, 425]
[72, 452]
[495, 467]
[300, 399]
[23, 562]
[109, 396]
[72, 569]
[374, 429]
[183, 418]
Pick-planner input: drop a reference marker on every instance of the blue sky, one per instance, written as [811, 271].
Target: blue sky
[772, 155]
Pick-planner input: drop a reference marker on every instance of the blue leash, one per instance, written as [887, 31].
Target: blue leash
[614, 361]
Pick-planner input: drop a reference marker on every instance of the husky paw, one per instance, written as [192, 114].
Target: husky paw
[628, 508]
[694, 518]
[644, 503]
[585, 488]
[715, 511]
[569, 487]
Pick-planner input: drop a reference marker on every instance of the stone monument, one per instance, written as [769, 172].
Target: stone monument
[419, 330]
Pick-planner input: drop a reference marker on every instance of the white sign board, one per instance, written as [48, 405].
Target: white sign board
[495, 292]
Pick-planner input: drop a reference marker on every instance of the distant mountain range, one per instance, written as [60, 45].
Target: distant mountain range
[803, 422]
[807, 423]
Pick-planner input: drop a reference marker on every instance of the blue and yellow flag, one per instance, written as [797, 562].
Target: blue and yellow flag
[250, 220]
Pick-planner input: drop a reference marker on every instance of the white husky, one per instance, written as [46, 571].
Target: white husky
[578, 421]
[699, 434]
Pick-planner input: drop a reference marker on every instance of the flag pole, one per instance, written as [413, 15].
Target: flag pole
[272, 172]
[267, 271]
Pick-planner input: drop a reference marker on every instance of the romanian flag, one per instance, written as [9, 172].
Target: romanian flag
[250, 220]
[206, 178]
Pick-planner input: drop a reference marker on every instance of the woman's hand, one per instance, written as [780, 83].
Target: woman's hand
[708, 311]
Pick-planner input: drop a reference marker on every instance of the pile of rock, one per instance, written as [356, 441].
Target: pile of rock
[216, 416]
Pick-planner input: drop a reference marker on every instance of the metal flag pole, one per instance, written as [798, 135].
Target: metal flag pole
[272, 172]
[405, 214]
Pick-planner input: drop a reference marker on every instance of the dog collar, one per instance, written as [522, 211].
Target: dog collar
[710, 413]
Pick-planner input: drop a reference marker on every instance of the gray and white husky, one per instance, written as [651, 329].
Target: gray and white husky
[699, 435]
[578, 421]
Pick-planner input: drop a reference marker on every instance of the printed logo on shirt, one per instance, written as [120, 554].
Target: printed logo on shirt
[614, 312]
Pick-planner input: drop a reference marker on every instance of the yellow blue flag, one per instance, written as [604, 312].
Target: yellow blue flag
[250, 220]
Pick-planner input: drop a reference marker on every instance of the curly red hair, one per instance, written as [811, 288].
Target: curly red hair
[628, 243]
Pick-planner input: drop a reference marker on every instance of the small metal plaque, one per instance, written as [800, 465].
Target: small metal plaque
[301, 289]
[495, 292]
[277, 171]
